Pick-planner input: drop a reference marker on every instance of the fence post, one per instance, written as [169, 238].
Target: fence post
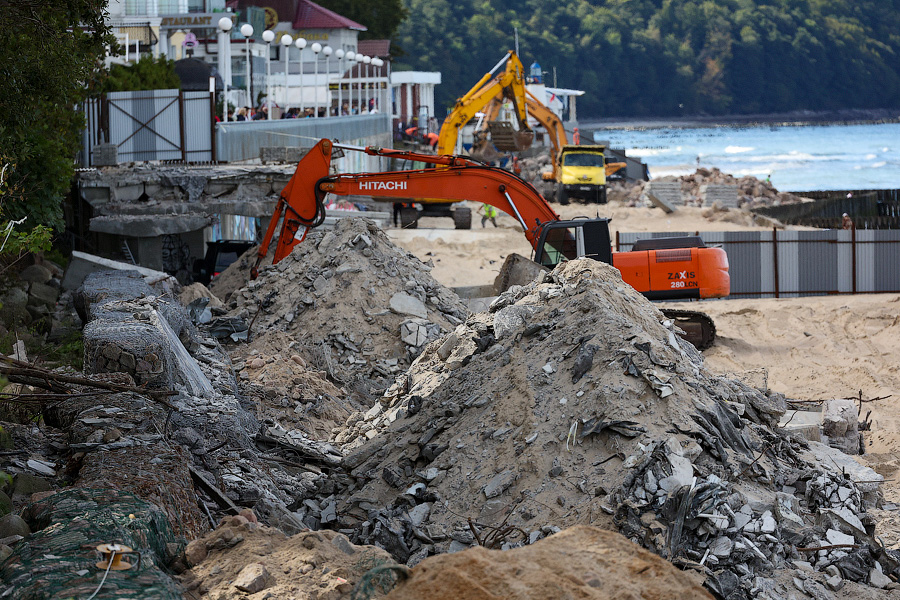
[183, 142]
[775, 257]
[853, 257]
[212, 124]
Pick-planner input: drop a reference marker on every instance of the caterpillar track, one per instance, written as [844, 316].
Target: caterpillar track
[699, 329]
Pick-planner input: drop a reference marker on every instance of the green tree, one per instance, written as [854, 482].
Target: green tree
[667, 57]
[381, 17]
[50, 55]
[147, 74]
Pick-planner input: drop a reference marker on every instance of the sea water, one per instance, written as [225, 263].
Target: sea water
[796, 158]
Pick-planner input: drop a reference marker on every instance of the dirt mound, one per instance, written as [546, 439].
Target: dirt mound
[237, 275]
[574, 402]
[241, 557]
[357, 306]
[581, 562]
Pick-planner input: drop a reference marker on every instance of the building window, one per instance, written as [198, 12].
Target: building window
[169, 7]
[135, 7]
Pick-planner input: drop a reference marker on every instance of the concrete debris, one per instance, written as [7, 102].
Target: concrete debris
[360, 308]
[515, 444]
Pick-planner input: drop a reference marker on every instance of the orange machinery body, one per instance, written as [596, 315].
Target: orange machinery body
[676, 273]
[695, 272]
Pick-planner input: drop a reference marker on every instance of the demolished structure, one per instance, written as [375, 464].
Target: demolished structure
[368, 403]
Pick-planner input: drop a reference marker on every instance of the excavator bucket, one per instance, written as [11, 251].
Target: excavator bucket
[508, 139]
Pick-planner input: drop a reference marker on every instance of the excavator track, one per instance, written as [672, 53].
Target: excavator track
[699, 329]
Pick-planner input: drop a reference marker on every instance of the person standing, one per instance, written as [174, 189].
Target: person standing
[488, 212]
[847, 222]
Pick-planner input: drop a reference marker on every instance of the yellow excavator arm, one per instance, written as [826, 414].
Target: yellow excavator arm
[510, 84]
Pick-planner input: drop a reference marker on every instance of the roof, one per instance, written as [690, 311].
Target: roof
[565, 91]
[379, 48]
[310, 15]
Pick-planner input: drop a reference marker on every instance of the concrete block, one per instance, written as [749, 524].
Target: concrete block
[724, 194]
[105, 155]
[272, 154]
[806, 424]
[665, 195]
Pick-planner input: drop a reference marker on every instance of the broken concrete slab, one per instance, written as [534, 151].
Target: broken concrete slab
[83, 264]
[665, 195]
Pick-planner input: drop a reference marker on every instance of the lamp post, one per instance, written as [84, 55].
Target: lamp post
[247, 31]
[268, 37]
[340, 56]
[378, 63]
[367, 60]
[301, 44]
[286, 41]
[327, 51]
[316, 48]
[351, 56]
[224, 55]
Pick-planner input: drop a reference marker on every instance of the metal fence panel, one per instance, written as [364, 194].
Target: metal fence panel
[145, 125]
[765, 264]
[198, 127]
[150, 125]
[242, 141]
[885, 260]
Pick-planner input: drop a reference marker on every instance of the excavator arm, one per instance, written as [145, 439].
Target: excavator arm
[301, 204]
[509, 84]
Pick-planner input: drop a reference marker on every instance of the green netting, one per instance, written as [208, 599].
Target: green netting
[59, 560]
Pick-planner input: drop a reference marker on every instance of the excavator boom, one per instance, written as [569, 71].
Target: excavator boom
[301, 204]
[667, 268]
[509, 84]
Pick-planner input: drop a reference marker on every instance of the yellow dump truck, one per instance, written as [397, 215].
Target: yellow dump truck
[580, 172]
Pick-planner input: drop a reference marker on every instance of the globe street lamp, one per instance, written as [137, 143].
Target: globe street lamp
[351, 56]
[247, 31]
[327, 52]
[367, 60]
[225, 24]
[340, 56]
[316, 48]
[301, 44]
[268, 37]
[286, 41]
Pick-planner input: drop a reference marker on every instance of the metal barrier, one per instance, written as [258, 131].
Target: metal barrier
[780, 264]
[242, 141]
[150, 125]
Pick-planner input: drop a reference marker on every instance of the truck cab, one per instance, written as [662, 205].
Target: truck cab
[582, 173]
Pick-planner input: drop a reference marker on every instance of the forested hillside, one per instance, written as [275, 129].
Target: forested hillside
[670, 57]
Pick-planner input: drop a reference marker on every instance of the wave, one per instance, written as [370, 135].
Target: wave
[738, 149]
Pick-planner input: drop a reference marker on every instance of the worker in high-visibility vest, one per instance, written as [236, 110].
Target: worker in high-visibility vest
[488, 212]
[576, 137]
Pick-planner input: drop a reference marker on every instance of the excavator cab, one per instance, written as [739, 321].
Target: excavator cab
[560, 241]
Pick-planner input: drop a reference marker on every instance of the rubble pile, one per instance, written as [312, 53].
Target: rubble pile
[292, 396]
[752, 193]
[242, 557]
[573, 401]
[215, 429]
[360, 308]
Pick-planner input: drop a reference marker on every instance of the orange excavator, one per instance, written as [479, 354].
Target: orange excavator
[661, 269]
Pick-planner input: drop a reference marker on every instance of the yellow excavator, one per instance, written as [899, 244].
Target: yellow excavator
[578, 170]
[508, 85]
